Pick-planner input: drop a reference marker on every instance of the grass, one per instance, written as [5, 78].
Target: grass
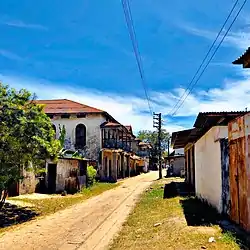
[186, 223]
[49, 206]
[43, 207]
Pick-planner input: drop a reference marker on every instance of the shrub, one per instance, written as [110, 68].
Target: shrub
[91, 174]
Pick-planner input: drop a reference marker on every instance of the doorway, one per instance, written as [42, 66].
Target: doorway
[51, 178]
[225, 176]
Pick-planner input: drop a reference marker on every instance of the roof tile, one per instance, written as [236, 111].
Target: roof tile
[64, 106]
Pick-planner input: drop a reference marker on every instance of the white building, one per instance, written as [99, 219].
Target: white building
[206, 159]
[82, 124]
[208, 172]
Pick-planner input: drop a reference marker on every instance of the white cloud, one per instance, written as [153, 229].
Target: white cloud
[234, 95]
[21, 24]
[10, 55]
[129, 110]
[239, 39]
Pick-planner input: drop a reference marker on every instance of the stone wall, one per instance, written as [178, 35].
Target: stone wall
[29, 182]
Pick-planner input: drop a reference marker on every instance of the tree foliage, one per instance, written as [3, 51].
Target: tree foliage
[26, 135]
[91, 174]
[62, 135]
[152, 137]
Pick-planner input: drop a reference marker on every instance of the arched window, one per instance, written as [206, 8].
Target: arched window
[80, 136]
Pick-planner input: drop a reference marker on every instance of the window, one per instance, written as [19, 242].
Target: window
[80, 136]
[81, 115]
[51, 116]
[66, 116]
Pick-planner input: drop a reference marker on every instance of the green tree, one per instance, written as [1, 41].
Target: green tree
[26, 136]
[62, 135]
[152, 137]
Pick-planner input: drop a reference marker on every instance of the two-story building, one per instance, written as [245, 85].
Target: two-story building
[96, 135]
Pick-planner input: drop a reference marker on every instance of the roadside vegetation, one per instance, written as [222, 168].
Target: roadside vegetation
[26, 135]
[58, 202]
[173, 222]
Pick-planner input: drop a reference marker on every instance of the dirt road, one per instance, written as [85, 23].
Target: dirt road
[88, 225]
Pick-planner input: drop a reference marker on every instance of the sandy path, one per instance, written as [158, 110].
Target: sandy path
[88, 225]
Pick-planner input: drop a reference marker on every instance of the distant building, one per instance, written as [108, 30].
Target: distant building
[97, 136]
[176, 160]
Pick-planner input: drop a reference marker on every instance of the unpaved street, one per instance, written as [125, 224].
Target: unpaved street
[88, 225]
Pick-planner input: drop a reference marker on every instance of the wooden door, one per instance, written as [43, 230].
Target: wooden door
[238, 182]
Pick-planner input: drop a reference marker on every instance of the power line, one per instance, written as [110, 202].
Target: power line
[130, 25]
[132, 34]
[206, 56]
[217, 48]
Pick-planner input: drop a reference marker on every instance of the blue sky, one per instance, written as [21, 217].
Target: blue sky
[81, 50]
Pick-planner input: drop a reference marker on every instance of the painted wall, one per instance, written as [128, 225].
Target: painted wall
[29, 182]
[93, 137]
[208, 184]
[64, 166]
[178, 165]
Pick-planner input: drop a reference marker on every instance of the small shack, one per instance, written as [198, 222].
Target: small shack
[177, 161]
[68, 174]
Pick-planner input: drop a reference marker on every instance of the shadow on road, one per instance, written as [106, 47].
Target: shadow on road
[11, 214]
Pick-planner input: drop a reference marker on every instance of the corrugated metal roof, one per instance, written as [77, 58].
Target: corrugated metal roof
[181, 138]
[204, 121]
[242, 58]
[210, 119]
[64, 106]
[112, 124]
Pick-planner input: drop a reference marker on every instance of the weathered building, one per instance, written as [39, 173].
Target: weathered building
[144, 151]
[118, 154]
[177, 161]
[97, 136]
[186, 139]
[27, 185]
[207, 156]
[66, 174]
[81, 122]
[208, 174]
[239, 166]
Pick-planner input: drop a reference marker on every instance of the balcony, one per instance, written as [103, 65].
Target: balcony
[143, 153]
[114, 144]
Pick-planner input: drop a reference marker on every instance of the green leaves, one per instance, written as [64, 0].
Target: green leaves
[26, 134]
[152, 137]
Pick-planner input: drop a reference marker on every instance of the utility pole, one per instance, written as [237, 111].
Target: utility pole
[157, 124]
[168, 151]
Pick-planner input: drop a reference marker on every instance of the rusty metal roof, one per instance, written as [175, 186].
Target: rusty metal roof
[111, 124]
[128, 127]
[209, 119]
[204, 121]
[64, 106]
[181, 138]
[117, 125]
[244, 59]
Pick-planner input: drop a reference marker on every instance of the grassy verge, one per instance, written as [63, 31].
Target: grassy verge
[13, 215]
[48, 206]
[184, 223]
